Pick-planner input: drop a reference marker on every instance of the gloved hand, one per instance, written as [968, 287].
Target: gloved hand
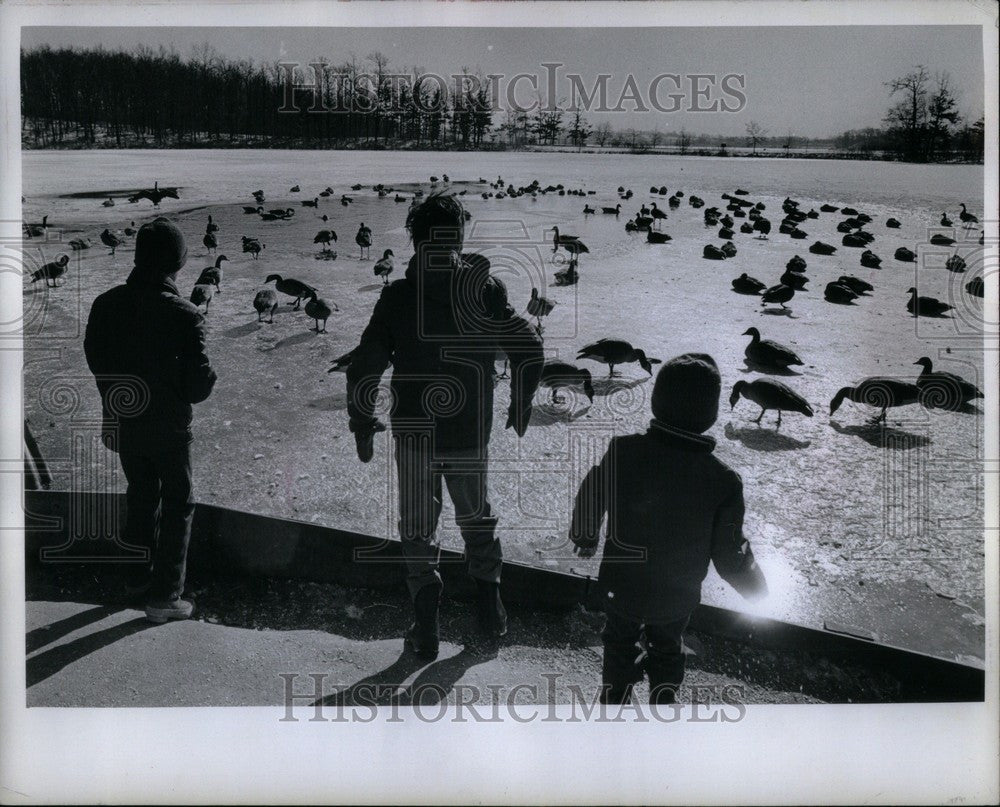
[364, 434]
[518, 420]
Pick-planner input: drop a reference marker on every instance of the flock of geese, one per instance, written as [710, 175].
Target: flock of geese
[930, 388]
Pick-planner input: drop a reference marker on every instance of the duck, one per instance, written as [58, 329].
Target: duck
[211, 227]
[201, 295]
[210, 241]
[319, 309]
[384, 266]
[956, 263]
[131, 230]
[879, 392]
[51, 271]
[109, 202]
[893, 223]
[363, 239]
[943, 390]
[293, 288]
[80, 243]
[265, 301]
[796, 264]
[945, 221]
[796, 280]
[539, 307]
[925, 306]
[568, 276]
[905, 255]
[612, 211]
[837, 292]
[968, 220]
[654, 237]
[253, 246]
[713, 253]
[976, 287]
[870, 260]
[557, 375]
[109, 239]
[744, 284]
[767, 353]
[770, 394]
[614, 352]
[324, 237]
[820, 248]
[780, 294]
[856, 284]
[310, 202]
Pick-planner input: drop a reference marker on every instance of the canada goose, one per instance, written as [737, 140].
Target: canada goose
[384, 266]
[837, 292]
[945, 221]
[356, 186]
[894, 224]
[324, 237]
[559, 240]
[968, 220]
[399, 198]
[569, 276]
[713, 253]
[313, 203]
[346, 200]
[211, 227]
[539, 307]
[364, 240]
[725, 233]
[265, 301]
[157, 194]
[770, 394]
[643, 222]
[744, 284]
[939, 240]
[855, 284]
[293, 288]
[796, 264]
[80, 243]
[253, 246]
[654, 237]
[573, 245]
[879, 392]
[746, 228]
[294, 189]
[905, 255]
[213, 274]
[854, 240]
[278, 213]
[201, 295]
[767, 353]
[51, 271]
[130, 230]
[829, 208]
[870, 260]
[109, 239]
[612, 211]
[762, 226]
[37, 229]
[109, 202]
[956, 263]
[252, 210]
[210, 241]
[616, 351]
[849, 211]
[696, 202]
[319, 309]
[325, 193]
[819, 248]
[780, 294]
[587, 210]
[943, 390]
[728, 249]
[557, 375]
[925, 306]
[796, 280]
[976, 287]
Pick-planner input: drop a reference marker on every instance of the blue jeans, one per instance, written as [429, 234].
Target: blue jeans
[420, 474]
[160, 504]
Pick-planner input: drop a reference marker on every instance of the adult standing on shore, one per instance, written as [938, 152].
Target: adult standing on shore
[441, 327]
[145, 345]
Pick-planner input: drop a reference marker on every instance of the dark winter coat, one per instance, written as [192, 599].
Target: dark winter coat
[441, 328]
[672, 507]
[145, 345]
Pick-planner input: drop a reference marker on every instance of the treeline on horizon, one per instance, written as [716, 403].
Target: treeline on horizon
[154, 98]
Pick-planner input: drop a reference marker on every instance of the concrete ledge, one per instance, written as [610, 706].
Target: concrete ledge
[244, 543]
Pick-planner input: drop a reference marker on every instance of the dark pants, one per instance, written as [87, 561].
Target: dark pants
[420, 474]
[632, 648]
[160, 507]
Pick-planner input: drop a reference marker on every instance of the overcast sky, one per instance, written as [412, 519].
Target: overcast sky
[813, 81]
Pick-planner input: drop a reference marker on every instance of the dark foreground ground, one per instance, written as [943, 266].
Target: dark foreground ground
[89, 646]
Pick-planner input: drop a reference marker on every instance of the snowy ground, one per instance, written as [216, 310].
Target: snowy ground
[852, 523]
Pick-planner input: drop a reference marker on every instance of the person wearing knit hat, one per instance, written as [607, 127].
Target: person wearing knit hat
[145, 345]
[672, 508]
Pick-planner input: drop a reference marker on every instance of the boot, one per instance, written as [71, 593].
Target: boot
[489, 609]
[422, 637]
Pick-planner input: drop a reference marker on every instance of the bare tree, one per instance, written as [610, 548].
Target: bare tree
[602, 133]
[755, 133]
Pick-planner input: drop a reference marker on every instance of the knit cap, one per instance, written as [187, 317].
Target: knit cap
[159, 246]
[686, 392]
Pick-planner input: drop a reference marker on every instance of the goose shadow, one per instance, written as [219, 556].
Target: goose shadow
[329, 403]
[243, 330]
[779, 312]
[760, 438]
[881, 436]
[546, 414]
[295, 339]
[372, 287]
[609, 385]
[753, 367]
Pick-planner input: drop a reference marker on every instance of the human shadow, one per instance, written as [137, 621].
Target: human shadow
[295, 339]
[881, 436]
[243, 330]
[50, 662]
[761, 438]
[47, 634]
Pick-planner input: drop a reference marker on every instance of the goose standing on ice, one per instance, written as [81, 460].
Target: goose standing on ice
[943, 390]
[385, 266]
[51, 271]
[364, 240]
[265, 302]
[770, 394]
[879, 392]
[616, 351]
[539, 307]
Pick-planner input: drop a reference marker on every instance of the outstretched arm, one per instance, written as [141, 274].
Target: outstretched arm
[368, 361]
[731, 552]
[590, 507]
